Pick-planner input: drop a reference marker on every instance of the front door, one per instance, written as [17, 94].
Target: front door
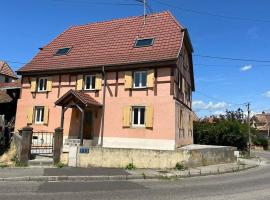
[88, 125]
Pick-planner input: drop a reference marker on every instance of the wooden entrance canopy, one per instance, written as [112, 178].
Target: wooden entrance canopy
[79, 100]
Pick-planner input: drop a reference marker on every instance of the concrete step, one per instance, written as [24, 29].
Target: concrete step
[41, 162]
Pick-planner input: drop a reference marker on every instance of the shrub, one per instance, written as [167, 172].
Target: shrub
[223, 132]
[260, 140]
[60, 165]
[131, 166]
[180, 166]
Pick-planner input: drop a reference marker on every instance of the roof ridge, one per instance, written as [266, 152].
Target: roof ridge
[120, 19]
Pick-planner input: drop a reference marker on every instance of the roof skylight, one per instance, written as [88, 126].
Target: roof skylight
[144, 42]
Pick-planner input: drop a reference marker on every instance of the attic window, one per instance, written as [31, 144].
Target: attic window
[63, 51]
[144, 42]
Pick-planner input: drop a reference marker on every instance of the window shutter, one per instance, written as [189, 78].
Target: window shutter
[46, 115]
[149, 112]
[30, 115]
[150, 78]
[126, 116]
[49, 84]
[33, 84]
[79, 85]
[98, 82]
[128, 79]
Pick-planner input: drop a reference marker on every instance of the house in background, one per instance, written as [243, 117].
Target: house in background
[9, 92]
[261, 122]
[124, 83]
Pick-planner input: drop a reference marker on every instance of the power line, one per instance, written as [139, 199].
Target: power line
[97, 2]
[230, 58]
[213, 14]
[216, 99]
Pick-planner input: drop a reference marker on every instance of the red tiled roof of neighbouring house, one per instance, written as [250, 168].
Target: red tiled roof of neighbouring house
[4, 97]
[111, 43]
[261, 120]
[6, 70]
[11, 85]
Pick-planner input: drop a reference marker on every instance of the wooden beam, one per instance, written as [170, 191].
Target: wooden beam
[155, 82]
[172, 82]
[116, 84]
[59, 85]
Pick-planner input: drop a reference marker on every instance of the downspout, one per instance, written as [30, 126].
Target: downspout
[103, 105]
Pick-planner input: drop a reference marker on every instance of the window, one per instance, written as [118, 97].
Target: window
[42, 84]
[140, 79]
[63, 51]
[7, 80]
[138, 116]
[90, 82]
[144, 42]
[39, 115]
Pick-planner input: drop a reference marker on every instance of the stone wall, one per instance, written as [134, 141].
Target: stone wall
[191, 156]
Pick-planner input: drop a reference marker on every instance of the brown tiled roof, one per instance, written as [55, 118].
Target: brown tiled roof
[261, 121]
[85, 99]
[111, 43]
[6, 70]
[4, 97]
[11, 85]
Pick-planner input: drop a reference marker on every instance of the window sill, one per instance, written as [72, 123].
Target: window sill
[137, 127]
[139, 88]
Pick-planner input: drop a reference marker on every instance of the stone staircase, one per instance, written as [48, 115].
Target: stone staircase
[41, 161]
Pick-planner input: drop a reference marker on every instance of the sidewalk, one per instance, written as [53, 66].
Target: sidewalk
[95, 174]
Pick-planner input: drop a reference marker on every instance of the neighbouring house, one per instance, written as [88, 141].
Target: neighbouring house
[124, 83]
[261, 122]
[9, 91]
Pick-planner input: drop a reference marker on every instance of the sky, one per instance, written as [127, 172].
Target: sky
[237, 30]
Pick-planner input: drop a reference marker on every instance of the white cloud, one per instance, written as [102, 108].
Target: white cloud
[267, 94]
[210, 106]
[246, 68]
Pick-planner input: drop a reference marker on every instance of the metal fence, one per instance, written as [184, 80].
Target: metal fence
[42, 143]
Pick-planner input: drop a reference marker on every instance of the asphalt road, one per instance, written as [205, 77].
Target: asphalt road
[252, 184]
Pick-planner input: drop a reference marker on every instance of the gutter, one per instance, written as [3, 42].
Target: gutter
[103, 107]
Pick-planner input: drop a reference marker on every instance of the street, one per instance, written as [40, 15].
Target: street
[251, 184]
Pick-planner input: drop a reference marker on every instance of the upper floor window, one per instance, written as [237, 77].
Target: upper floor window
[39, 114]
[144, 42]
[7, 79]
[63, 51]
[140, 79]
[42, 84]
[138, 116]
[90, 82]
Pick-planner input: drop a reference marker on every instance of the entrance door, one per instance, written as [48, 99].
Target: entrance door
[88, 125]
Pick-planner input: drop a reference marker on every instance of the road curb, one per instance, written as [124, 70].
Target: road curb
[184, 174]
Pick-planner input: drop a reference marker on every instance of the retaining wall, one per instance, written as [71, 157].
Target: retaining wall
[191, 156]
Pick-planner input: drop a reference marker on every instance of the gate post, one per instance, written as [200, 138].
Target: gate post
[57, 145]
[27, 133]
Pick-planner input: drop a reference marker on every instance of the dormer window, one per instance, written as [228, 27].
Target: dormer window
[63, 51]
[144, 42]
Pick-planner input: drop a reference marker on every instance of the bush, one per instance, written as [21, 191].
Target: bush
[180, 166]
[60, 165]
[223, 132]
[260, 140]
[131, 166]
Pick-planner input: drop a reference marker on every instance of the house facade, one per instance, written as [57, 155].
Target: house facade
[261, 122]
[124, 83]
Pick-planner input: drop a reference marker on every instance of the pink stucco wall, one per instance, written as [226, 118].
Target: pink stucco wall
[164, 127]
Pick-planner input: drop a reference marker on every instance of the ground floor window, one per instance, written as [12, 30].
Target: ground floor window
[39, 114]
[138, 116]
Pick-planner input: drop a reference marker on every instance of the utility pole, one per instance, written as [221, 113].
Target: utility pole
[249, 134]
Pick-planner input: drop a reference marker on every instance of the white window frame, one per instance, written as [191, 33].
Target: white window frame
[140, 79]
[139, 116]
[43, 89]
[91, 77]
[40, 120]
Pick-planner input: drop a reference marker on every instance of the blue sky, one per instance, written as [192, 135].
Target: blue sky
[220, 84]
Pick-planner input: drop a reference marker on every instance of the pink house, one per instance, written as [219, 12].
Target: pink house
[124, 83]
